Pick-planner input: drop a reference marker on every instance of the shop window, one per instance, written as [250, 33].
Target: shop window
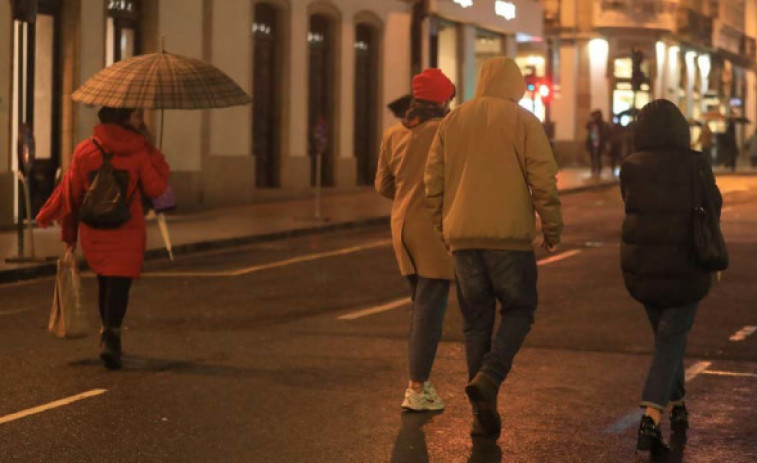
[366, 89]
[321, 96]
[444, 50]
[122, 31]
[625, 100]
[266, 106]
[488, 45]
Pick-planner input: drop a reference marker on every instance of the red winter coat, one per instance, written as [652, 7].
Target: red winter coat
[119, 251]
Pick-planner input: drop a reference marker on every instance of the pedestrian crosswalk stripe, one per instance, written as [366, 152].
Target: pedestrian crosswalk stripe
[558, 257]
[51, 405]
[730, 373]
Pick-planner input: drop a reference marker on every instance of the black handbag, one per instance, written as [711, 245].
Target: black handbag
[709, 245]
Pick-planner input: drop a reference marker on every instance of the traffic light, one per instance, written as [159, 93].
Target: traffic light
[531, 81]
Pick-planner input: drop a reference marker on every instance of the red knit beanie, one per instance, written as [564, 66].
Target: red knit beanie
[433, 85]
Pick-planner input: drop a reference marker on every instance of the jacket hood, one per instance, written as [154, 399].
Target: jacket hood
[119, 140]
[501, 78]
[661, 125]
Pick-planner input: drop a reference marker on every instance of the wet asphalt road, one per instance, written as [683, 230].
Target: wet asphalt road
[231, 359]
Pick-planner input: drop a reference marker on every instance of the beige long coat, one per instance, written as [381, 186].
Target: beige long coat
[399, 177]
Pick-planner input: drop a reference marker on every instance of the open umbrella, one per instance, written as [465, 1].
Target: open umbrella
[161, 81]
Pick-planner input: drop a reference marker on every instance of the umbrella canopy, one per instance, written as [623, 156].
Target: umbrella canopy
[161, 81]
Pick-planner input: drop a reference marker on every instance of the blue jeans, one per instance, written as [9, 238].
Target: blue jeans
[429, 296]
[665, 381]
[483, 278]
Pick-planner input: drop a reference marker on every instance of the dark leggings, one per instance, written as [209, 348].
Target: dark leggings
[113, 297]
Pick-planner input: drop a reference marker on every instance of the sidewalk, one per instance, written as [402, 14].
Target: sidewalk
[225, 227]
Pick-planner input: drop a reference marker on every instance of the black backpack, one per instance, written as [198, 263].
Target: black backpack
[104, 204]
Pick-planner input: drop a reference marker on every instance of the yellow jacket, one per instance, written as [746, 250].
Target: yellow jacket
[490, 166]
[400, 177]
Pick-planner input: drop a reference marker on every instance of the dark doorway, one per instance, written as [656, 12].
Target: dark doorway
[366, 85]
[321, 96]
[265, 107]
[38, 72]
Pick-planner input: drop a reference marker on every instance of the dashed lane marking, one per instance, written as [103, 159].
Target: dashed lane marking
[633, 418]
[406, 300]
[51, 405]
[558, 257]
[377, 309]
[270, 265]
[743, 333]
[730, 373]
[15, 311]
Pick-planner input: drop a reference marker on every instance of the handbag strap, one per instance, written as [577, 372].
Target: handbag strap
[696, 184]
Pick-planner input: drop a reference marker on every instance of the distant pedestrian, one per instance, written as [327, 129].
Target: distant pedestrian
[421, 256]
[617, 143]
[115, 254]
[490, 168]
[730, 146]
[751, 147]
[656, 254]
[596, 141]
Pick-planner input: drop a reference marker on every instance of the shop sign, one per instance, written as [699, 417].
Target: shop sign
[505, 9]
[464, 3]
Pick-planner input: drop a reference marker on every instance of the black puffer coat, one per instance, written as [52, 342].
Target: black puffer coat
[656, 183]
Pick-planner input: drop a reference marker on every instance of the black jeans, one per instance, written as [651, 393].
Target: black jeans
[429, 297]
[483, 278]
[113, 297]
[665, 381]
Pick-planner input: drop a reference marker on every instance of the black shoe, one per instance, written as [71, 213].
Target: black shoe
[650, 436]
[679, 418]
[482, 393]
[110, 348]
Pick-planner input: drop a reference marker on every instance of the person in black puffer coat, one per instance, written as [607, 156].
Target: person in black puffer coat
[657, 254]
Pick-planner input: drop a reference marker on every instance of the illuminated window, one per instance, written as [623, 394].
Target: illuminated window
[122, 30]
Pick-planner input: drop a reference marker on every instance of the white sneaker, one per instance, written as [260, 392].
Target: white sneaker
[427, 399]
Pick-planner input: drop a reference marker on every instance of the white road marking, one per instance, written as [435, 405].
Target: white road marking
[270, 265]
[404, 301]
[558, 257]
[633, 418]
[15, 311]
[51, 405]
[377, 309]
[743, 333]
[730, 373]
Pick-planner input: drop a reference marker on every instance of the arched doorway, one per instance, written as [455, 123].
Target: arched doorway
[366, 93]
[36, 92]
[265, 106]
[321, 93]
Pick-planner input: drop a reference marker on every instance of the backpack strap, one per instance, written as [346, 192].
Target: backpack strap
[106, 155]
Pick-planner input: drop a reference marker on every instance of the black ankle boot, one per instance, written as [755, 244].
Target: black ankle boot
[110, 348]
[482, 393]
[650, 436]
[679, 418]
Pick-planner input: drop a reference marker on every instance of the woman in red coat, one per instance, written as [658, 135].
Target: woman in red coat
[115, 255]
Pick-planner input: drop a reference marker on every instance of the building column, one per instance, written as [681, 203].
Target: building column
[346, 165]
[7, 179]
[468, 61]
[295, 169]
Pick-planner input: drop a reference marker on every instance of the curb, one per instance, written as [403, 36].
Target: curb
[49, 268]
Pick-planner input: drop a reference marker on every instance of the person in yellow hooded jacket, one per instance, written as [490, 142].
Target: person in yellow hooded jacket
[490, 167]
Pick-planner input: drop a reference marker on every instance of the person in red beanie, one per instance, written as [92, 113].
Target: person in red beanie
[421, 256]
